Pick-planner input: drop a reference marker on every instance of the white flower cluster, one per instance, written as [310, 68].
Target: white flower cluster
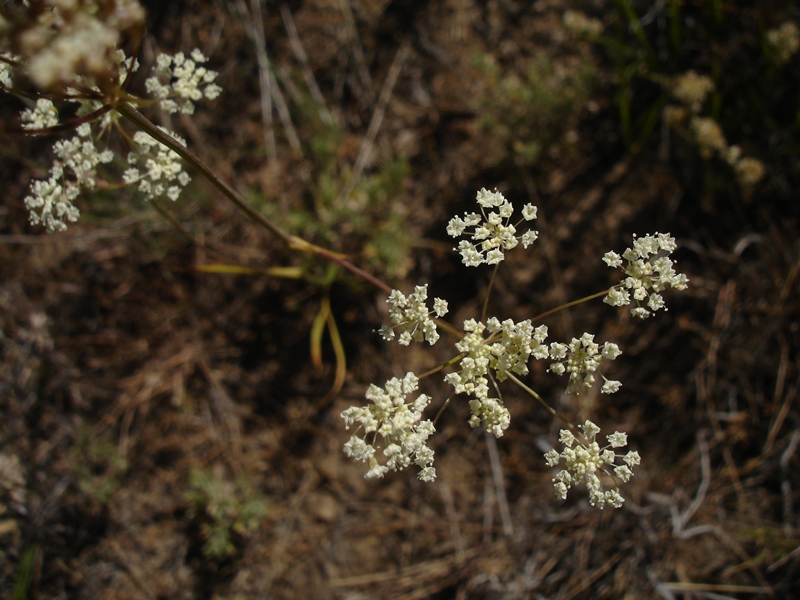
[398, 424]
[710, 138]
[785, 41]
[692, 89]
[471, 379]
[584, 460]
[649, 271]
[64, 39]
[181, 81]
[495, 350]
[41, 116]
[749, 171]
[6, 69]
[492, 233]
[155, 169]
[51, 200]
[411, 315]
[160, 171]
[579, 25]
[513, 345]
[581, 358]
[518, 341]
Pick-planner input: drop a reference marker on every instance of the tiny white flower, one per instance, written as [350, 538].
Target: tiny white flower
[617, 439]
[565, 437]
[632, 458]
[492, 231]
[398, 424]
[614, 499]
[585, 461]
[529, 212]
[623, 472]
[590, 430]
[648, 270]
[411, 316]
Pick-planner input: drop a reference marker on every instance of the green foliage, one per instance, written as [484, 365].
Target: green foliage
[98, 466]
[347, 208]
[226, 510]
[531, 111]
[774, 544]
[750, 58]
[26, 570]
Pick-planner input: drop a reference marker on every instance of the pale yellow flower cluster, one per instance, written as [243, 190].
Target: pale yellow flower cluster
[578, 24]
[691, 91]
[70, 38]
[785, 41]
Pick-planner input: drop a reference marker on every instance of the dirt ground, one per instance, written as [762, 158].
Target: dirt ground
[166, 434]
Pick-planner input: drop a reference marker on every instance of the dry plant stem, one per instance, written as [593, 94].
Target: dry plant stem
[378, 114]
[541, 401]
[62, 127]
[488, 293]
[444, 365]
[441, 410]
[291, 241]
[302, 58]
[257, 35]
[538, 318]
[499, 484]
[445, 326]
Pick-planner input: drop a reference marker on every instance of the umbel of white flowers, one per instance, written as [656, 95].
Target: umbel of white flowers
[649, 271]
[154, 169]
[496, 349]
[585, 461]
[400, 426]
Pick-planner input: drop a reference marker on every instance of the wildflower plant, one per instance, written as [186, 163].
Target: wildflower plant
[491, 351]
[691, 91]
[69, 51]
[583, 460]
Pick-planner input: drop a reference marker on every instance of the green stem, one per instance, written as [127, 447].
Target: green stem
[541, 401]
[568, 305]
[444, 365]
[488, 293]
[291, 241]
[143, 123]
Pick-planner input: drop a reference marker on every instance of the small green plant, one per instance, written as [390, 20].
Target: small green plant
[225, 510]
[532, 111]
[98, 467]
[680, 65]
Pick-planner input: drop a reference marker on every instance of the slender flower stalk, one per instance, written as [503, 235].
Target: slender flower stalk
[291, 241]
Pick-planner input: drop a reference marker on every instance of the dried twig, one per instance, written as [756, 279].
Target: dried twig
[375, 123]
